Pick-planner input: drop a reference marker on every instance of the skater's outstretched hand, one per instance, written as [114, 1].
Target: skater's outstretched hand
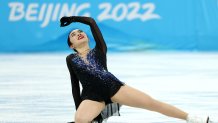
[65, 21]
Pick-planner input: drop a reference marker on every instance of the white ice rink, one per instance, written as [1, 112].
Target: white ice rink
[36, 88]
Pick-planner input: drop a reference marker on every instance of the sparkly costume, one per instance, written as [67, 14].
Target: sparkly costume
[97, 82]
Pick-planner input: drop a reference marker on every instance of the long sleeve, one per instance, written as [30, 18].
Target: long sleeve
[76, 89]
[74, 84]
[100, 43]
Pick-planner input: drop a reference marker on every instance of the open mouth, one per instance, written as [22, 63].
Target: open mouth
[80, 37]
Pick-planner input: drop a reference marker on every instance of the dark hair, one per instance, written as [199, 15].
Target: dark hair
[69, 43]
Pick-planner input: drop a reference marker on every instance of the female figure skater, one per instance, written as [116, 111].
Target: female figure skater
[103, 94]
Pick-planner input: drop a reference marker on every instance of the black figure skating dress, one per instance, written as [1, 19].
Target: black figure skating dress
[97, 82]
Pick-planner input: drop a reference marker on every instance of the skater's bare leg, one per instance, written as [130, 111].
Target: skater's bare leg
[88, 110]
[132, 97]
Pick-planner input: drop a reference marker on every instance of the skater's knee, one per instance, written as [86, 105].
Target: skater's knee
[151, 104]
[155, 105]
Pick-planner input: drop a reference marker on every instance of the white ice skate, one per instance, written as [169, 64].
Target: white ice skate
[198, 119]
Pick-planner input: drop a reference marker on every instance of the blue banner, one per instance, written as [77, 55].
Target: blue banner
[127, 25]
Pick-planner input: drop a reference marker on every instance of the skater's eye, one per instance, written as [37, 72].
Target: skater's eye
[73, 34]
[80, 31]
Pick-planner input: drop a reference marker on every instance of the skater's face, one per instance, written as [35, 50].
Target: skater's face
[78, 37]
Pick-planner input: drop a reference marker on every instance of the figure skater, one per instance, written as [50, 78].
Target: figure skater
[103, 94]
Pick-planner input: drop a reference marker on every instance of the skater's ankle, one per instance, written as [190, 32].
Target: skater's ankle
[186, 117]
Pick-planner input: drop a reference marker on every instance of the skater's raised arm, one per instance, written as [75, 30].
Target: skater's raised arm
[74, 84]
[100, 43]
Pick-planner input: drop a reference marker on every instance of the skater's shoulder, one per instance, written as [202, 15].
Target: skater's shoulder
[70, 56]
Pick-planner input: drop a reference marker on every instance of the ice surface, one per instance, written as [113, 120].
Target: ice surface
[36, 88]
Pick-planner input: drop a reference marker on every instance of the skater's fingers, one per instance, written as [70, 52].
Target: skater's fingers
[65, 21]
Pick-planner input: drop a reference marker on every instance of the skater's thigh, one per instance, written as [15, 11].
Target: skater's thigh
[90, 109]
[130, 96]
